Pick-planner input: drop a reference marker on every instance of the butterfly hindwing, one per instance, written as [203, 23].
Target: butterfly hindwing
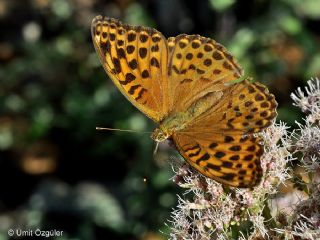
[243, 108]
[230, 159]
[220, 143]
[135, 58]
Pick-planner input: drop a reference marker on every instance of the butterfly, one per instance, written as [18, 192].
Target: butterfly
[195, 91]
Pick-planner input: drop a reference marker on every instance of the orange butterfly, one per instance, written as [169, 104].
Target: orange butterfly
[187, 85]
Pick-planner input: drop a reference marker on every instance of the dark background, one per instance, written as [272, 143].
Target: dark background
[56, 170]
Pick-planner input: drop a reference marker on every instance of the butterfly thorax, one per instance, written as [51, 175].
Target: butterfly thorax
[168, 126]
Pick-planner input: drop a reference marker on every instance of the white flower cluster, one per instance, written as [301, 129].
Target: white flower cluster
[309, 103]
[305, 219]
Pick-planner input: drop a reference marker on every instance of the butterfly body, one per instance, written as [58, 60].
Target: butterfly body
[178, 121]
[188, 86]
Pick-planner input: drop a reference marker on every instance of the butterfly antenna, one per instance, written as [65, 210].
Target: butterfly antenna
[145, 178]
[120, 130]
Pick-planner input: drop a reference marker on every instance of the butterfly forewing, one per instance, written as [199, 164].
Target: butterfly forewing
[197, 66]
[135, 58]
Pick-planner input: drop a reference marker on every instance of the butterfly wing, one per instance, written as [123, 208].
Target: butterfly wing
[135, 58]
[220, 144]
[160, 76]
[196, 66]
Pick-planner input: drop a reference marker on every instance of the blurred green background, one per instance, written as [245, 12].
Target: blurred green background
[56, 170]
